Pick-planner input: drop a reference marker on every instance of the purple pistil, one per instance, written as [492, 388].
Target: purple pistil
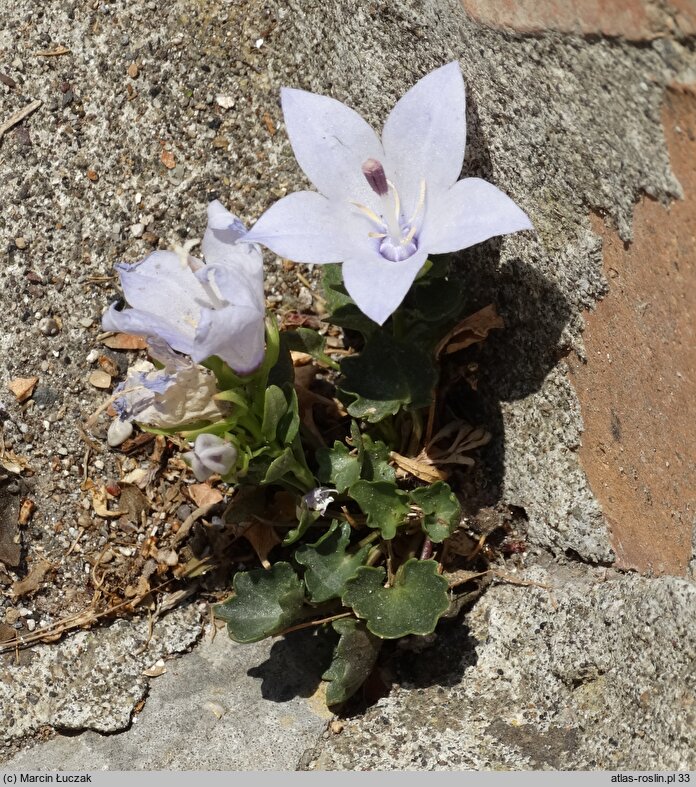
[374, 174]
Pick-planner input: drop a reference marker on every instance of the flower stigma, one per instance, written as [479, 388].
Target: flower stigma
[397, 238]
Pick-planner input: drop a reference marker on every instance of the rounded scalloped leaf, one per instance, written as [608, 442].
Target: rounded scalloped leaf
[441, 510]
[385, 506]
[413, 605]
[265, 602]
[386, 376]
[337, 466]
[354, 657]
[328, 565]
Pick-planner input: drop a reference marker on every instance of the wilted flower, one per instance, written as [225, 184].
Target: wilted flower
[384, 206]
[201, 310]
[181, 393]
[210, 455]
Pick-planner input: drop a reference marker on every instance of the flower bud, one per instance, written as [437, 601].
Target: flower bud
[210, 455]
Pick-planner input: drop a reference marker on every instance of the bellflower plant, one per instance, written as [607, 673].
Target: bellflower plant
[336, 458]
[384, 206]
[199, 309]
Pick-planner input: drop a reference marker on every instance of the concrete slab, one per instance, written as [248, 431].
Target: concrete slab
[584, 675]
[222, 707]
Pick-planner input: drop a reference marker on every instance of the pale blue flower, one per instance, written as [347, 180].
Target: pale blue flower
[199, 309]
[210, 455]
[319, 499]
[384, 206]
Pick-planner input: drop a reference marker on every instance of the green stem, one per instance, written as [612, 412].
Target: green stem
[374, 556]
[374, 535]
[398, 324]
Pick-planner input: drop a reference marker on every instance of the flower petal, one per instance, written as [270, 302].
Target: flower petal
[235, 334]
[470, 212]
[330, 142]
[377, 285]
[162, 286]
[223, 231]
[305, 227]
[146, 324]
[240, 281]
[425, 134]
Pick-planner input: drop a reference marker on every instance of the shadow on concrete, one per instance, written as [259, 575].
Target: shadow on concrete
[295, 664]
[513, 362]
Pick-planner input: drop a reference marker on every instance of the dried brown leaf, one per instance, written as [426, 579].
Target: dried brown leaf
[7, 632]
[108, 365]
[155, 670]
[99, 504]
[100, 379]
[472, 329]
[22, 387]
[26, 509]
[268, 122]
[33, 579]
[139, 590]
[124, 341]
[419, 469]
[132, 503]
[13, 463]
[204, 495]
[461, 543]
[262, 538]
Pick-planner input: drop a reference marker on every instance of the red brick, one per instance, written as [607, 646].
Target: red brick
[631, 19]
[637, 390]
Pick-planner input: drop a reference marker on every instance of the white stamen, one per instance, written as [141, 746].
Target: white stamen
[421, 202]
[408, 238]
[184, 253]
[397, 202]
[369, 213]
[376, 234]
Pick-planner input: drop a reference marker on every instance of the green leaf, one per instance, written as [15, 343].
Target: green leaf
[329, 565]
[275, 406]
[385, 506]
[354, 658]
[437, 299]
[235, 397]
[336, 466]
[386, 376]
[289, 424]
[307, 518]
[375, 461]
[282, 371]
[283, 466]
[265, 602]
[441, 510]
[340, 305]
[413, 605]
[305, 340]
[226, 378]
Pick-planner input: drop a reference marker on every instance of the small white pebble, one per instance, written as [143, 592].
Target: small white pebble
[92, 356]
[118, 432]
[31, 624]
